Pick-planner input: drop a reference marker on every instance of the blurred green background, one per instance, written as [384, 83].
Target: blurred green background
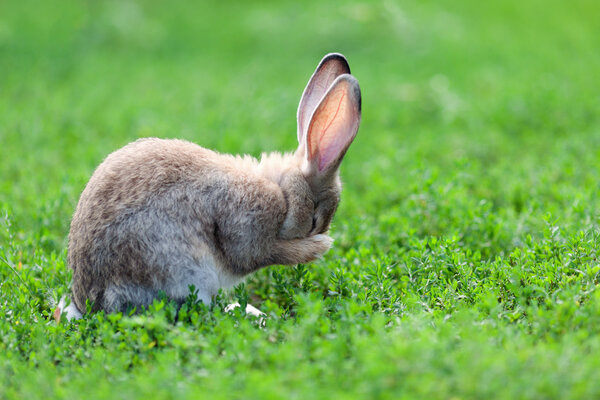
[498, 84]
[470, 199]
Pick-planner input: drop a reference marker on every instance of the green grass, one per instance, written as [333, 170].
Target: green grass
[466, 262]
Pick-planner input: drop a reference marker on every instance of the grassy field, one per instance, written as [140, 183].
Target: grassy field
[466, 263]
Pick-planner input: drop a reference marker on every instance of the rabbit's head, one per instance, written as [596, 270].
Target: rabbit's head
[328, 120]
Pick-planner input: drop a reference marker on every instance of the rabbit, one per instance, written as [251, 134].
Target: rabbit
[160, 215]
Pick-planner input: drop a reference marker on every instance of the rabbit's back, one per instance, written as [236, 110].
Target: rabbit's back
[158, 215]
[131, 175]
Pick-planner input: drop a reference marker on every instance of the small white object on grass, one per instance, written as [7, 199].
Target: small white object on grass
[250, 309]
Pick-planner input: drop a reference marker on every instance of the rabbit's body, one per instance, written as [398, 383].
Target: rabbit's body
[163, 215]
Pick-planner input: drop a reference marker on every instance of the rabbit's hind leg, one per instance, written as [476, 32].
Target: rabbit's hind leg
[71, 311]
[124, 297]
[201, 273]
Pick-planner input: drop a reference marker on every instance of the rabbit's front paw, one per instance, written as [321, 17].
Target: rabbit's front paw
[317, 245]
[296, 251]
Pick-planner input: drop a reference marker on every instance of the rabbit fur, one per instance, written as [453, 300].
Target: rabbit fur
[160, 215]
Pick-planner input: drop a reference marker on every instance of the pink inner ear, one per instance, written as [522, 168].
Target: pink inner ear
[333, 127]
[331, 144]
[331, 151]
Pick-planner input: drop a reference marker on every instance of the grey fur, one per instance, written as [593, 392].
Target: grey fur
[160, 215]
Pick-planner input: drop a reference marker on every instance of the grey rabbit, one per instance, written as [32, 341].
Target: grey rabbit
[161, 215]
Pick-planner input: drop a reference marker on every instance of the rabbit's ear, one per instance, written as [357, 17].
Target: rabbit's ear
[330, 67]
[333, 125]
